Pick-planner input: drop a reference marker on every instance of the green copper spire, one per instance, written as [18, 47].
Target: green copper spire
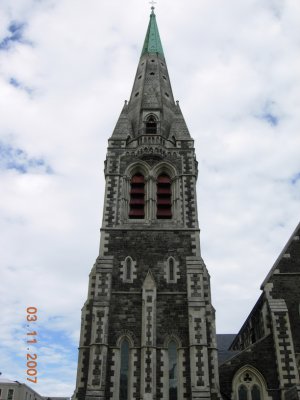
[152, 42]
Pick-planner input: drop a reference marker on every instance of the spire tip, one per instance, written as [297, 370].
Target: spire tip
[152, 2]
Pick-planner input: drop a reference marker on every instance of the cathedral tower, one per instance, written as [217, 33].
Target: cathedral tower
[148, 325]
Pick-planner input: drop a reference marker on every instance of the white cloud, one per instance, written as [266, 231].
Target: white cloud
[231, 66]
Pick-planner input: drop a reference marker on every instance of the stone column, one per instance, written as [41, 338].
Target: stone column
[151, 198]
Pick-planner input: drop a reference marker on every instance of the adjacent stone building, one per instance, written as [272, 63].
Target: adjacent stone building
[264, 357]
[148, 325]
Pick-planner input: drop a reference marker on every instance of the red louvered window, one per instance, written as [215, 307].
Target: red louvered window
[164, 194]
[137, 197]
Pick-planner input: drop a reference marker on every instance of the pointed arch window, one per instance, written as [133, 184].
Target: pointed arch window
[151, 125]
[128, 269]
[255, 393]
[248, 384]
[164, 197]
[124, 370]
[250, 393]
[242, 392]
[137, 197]
[173, 379]
[171, 270]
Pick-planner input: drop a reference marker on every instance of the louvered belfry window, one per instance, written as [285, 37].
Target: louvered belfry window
[164, 194]
[151, 125]
[137, 197]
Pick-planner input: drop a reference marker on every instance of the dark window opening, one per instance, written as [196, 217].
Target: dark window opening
[152, 60]
[124, 370]
[167, 94]
[171, 270]
[137, 197]
[172, 352]
[164, 78]
[152, 73]
[136, 95]
[140, 77]
[255, 393]
[164, 194]
[10, 394]
[243, 393]
[151, 125]
[128, 269]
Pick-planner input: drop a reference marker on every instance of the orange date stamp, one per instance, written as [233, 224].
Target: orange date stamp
[31, 340]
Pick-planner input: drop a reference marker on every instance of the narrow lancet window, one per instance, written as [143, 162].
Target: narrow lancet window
[255, 393]
[151, 125]
[128, 269]
[172, 352]
[137, 197]
[171, 270]
[164, 197]
[124, 370]
[242, 392]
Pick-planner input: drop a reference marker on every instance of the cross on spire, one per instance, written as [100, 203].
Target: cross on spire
[152, 2]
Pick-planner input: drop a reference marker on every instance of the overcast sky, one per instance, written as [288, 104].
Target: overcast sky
[66, 67]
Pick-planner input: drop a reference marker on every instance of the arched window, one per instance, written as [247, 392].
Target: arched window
[172, 353]
[137, 197]
[164, 197]
[124, 370]
[151, 125]
[249, 384]
[128, 269]
[242, 392]
[171, 270]
[255, 393]
[250, 393]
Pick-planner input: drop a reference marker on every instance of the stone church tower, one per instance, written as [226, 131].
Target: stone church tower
[148, 325]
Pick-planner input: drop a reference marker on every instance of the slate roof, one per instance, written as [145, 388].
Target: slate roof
[224, 341]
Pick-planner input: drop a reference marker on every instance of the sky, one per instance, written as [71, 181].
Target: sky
[66, 67]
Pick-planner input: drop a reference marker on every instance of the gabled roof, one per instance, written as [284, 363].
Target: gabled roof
[284, 251]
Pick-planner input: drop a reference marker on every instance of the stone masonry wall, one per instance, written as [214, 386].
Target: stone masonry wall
[150, 250]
